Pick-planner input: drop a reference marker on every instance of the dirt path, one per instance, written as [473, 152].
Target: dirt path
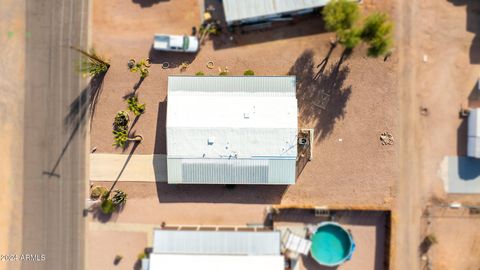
[408, 204]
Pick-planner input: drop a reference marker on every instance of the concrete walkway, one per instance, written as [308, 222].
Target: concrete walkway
[461, 175]
[134, 168]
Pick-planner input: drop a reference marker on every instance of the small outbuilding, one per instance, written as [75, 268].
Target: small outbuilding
[473, 147]
[215, 250]
[252, 11]
[231, 130]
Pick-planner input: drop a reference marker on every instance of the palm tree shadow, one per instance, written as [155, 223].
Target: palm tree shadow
[78, 109]
[321, 99]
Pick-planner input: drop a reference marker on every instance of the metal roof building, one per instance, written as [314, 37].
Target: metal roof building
[473, 145]
[245, 11]
[215, 250]
[231, 130]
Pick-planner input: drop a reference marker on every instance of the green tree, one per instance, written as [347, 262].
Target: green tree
[340, 15]
[377, 33]
[349, 38]
[134, 106]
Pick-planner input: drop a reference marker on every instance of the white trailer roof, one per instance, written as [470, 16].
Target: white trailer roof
[231, 130]
[244, 10]
[473, 143]
[216, 242]
[215, 262]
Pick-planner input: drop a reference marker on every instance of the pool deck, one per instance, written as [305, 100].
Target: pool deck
[368, 229]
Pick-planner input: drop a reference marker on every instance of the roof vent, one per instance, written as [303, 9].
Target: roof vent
[246, 115]
[211, 140]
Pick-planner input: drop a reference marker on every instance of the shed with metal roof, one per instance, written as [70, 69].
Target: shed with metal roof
[231, 130]
[248, 11]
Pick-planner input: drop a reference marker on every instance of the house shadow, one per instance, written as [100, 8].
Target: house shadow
[148, 3]
[473, 26]
[174, 59]
[462, 132]
[304, 25]
[322, 95]
[474, 96]
[175, 193]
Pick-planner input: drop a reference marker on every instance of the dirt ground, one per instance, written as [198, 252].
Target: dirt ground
[438, 68]
[458, 239]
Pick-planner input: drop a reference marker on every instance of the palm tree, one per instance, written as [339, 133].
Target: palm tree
[134, 106]
[121, 138]
[141, 66]
[92, 64]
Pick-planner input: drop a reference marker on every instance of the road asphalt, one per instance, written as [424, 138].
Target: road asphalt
[56, 128]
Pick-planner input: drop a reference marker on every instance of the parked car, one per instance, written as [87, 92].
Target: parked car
[175, 43]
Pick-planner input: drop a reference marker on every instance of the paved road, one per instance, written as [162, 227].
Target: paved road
[55, 132]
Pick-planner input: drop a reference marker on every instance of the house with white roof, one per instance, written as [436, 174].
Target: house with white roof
[215, 250]
[231, 130]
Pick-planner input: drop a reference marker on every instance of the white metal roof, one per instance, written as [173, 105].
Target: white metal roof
[245, 10]
[215, 262]
[216, 242]
[215, 122]
[473, 143]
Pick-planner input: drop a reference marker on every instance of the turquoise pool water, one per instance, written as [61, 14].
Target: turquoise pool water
[331, 245]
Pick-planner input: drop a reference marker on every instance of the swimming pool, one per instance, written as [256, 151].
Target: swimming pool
[331, 244]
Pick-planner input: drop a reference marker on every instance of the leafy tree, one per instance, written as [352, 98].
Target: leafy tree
[377, 32]
[248, 72]
[134, 106]
[340, 15]
[349, 38]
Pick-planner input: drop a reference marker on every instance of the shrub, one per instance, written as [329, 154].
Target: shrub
[223, 73]
[120, 137]
[199, 73]
[248, 72]
[142, 255]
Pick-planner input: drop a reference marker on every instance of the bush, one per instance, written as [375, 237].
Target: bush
[121, 120]
[223, 73]
[340, 14]
[142, 255]
[199, 73]
[249, 72]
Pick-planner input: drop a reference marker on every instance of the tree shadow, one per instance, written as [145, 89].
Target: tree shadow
[78, 109]
[473, 25]
[174, 59]
[321, 99]
[148, 3]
